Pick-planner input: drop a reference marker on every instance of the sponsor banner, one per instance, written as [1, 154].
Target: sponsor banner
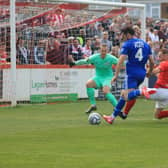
[49, 98]
[60, 81]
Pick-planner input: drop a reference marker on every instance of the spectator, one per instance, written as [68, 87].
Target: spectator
[22, 53]
[55, 52]
[3, 54]
[155, 46]
[95, 45]
[165, 44]
[117, 40]
[100, 30]
[81, 37]
[115, 51]
[91, 31]
[137, 31]
[87, 51]
[155, 51]
[105, 40]
[39, 53]
[161, 33]
[154, 35]
[75, 51]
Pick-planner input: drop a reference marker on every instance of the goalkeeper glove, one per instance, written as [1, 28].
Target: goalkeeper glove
[71, 64]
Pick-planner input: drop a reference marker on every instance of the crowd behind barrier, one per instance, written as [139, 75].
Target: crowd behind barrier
[35, 46]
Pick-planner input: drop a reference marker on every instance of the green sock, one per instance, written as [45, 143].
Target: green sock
[111, 99]
[90, 93]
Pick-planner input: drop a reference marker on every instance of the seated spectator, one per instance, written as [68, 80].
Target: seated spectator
[75, 51]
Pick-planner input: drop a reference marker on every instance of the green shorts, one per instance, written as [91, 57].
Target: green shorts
[101, 82]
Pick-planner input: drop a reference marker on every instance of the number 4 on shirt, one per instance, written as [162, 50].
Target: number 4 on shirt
[139, 54]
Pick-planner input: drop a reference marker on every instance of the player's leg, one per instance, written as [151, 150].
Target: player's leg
[90, 88]
[162, 102]
[129, 95]
[161, 114]
[127, 108]
[116, 111]
[106, 90]
[119, 105]
[133, 94]
[132, 99]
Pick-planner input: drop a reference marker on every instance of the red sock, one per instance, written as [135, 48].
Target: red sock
[162, 114]
[129, 105]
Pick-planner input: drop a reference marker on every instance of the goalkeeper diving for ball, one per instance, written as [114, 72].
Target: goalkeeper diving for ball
[103, 75]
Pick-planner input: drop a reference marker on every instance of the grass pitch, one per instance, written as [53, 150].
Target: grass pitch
[59, 136]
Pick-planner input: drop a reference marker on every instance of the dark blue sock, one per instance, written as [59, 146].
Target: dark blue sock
[119, 107]
[133, 94]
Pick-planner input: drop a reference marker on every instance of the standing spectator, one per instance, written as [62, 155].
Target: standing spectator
[153, 34]
[161, 33]
[95, 45]
[100, 30]
[56, 17]
[86, 50]
[3, 54]
[155, 51]
[22, 53]
[75, 51]
[55, 52]
[39, 53]
[105, 40]
[115, 51]
[91, 31]
[137, 31]
[82, 37]
[117, 39]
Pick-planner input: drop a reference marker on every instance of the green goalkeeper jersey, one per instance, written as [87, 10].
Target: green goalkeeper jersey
[103, 66]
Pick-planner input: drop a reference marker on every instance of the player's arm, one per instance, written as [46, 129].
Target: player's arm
[114, 60]
[156, 70]
[80, 62]
[118, 66]
[151, 65]
[161, 68]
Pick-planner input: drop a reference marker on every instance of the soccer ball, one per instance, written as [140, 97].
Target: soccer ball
[94, 118]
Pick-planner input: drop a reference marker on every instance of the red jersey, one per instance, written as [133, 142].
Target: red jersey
[162, 80]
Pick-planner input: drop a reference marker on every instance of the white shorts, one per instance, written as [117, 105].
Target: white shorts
[161, 97]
